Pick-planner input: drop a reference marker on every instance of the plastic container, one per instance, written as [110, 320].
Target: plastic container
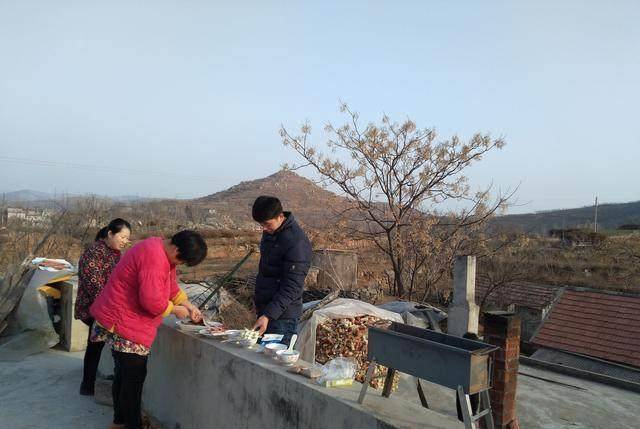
[271, 338]
[337, 371]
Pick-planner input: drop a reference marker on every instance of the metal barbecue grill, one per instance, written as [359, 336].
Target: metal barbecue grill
[457, 363]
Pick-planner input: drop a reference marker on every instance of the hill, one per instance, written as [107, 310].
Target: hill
[25, 195]
[31, 198]
[310, 203]
[610, 216]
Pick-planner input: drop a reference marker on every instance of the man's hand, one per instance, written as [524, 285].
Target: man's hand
[180, 311]
[261, 323]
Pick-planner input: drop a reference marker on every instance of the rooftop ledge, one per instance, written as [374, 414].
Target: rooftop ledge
[196, 382]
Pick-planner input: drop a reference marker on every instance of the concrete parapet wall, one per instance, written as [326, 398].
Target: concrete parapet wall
[337, 269]
[199, 383]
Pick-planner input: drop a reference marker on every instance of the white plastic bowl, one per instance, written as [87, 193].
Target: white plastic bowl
[288, 357]
[270, 349]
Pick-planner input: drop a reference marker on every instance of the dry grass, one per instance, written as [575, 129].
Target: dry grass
[234, 314]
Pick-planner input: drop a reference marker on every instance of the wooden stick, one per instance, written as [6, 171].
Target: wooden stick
[323, 302]
[388, 382]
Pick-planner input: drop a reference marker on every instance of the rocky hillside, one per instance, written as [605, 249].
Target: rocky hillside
[310, 203]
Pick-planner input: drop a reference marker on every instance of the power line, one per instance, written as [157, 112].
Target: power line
[100, 168]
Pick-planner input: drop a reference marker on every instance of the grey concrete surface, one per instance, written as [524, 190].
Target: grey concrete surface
[74, 332]
[244, 390]
[548, 400]
[42, 392]
[463, 311]
[545, 403]
[197, 383]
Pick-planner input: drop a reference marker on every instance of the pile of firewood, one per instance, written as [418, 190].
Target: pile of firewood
[348, 338]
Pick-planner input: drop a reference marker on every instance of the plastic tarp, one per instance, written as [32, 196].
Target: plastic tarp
[415, 309]
[35, 332]
[341, 308]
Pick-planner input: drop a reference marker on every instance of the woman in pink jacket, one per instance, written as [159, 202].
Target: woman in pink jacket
[142, 290]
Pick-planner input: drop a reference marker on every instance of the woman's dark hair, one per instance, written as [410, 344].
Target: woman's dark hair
[191, 247]
[265, 208]
[115, 226]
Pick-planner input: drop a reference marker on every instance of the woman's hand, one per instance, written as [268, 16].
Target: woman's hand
[180, 311]
[195, 314]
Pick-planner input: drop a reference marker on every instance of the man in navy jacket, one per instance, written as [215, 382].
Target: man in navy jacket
[285, 257]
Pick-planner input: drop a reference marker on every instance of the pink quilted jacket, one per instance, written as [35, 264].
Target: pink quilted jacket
[141, 290]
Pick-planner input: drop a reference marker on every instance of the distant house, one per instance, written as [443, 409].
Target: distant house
[531, 301]
[34, 216]
[593, 330]
[16, 213]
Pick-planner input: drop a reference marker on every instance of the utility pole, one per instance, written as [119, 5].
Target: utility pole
[2, 210]
[595, 220]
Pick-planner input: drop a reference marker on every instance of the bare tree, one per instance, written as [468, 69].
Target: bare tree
[432, 245]
[398, 174]
[503, 262]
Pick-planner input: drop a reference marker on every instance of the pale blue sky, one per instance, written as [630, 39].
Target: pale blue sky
[196, 90]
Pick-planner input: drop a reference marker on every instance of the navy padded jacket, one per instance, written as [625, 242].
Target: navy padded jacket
[285, 258]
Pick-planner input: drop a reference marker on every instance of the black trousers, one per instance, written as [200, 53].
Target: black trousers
[91, 360]
[130, 371]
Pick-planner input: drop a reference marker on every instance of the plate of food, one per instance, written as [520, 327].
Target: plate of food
[213, 331]
[206, 333]
[188, 325]
[231, 334]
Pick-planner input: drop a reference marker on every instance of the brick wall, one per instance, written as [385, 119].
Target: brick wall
[503, 330]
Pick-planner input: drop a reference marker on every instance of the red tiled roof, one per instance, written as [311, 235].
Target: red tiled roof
[595, 324]
[525, 294]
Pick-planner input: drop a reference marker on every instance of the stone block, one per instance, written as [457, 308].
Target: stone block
[74, 333]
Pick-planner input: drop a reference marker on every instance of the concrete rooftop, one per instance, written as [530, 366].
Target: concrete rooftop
[42, 392]
[548, 400]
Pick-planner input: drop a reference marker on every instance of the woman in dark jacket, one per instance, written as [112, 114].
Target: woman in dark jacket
[94, 269]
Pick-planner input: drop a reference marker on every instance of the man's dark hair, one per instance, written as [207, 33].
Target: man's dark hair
[265, 208]
[191, 247]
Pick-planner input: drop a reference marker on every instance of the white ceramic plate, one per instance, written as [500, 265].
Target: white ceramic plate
[231, 334]
[211, 324]
[188, 327]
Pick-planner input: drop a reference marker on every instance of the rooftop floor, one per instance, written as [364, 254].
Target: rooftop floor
[42, 392]
[548, 400]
